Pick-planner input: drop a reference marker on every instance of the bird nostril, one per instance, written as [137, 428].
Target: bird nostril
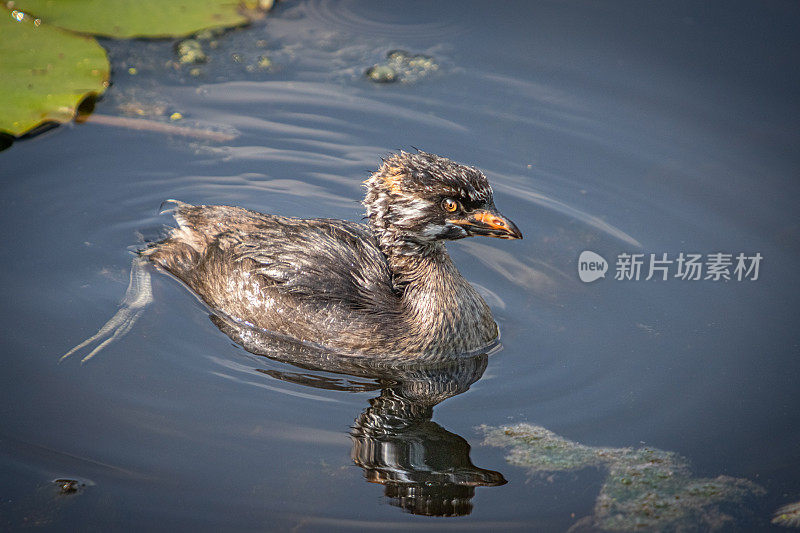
[493, 221]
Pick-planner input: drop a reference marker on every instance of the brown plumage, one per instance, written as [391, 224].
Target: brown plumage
[386, 289]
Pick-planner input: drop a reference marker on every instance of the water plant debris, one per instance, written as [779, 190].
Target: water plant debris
[645, 488]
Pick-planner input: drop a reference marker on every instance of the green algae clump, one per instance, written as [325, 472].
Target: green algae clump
[788, 515]
[645, 488]
[403, 67]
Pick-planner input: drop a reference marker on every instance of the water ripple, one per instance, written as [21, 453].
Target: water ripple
[568, 210]
[235, 372]
[346, 15]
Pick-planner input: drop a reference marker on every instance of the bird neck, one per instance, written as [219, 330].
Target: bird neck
[440, 307]
[412, 263]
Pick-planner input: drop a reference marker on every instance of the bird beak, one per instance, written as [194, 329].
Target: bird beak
[490, 223]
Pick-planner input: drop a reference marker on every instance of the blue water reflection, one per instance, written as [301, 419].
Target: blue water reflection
[635, 127]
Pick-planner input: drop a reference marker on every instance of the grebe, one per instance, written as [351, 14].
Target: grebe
[387, 288]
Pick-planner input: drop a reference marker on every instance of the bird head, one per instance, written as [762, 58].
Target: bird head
[422, 199]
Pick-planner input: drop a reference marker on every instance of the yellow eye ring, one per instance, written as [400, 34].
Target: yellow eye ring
[449, 205]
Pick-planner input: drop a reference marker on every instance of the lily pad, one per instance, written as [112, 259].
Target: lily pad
[45, 73]
[124, 19]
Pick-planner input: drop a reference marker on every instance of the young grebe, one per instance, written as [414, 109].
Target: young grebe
[387, 288]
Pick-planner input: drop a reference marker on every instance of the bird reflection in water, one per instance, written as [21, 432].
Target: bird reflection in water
[424, 468]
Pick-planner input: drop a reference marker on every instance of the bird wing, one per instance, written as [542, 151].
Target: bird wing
[323, 260]
[315, 259]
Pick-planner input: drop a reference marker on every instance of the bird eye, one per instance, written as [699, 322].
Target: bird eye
[449, 205]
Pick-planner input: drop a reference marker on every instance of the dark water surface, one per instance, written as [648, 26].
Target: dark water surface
[635, 127]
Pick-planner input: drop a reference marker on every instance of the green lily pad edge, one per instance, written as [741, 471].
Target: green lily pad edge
[45, 73]
[123, 19]
[47, 70]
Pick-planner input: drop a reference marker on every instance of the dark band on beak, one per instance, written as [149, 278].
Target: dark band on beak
[489, 223]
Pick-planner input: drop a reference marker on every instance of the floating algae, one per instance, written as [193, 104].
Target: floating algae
[48, 504]
[190, 51]
[645, 488]
[382, 74]
[788, 515]
[402, 66]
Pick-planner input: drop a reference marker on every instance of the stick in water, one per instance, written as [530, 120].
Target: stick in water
[142, 124]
